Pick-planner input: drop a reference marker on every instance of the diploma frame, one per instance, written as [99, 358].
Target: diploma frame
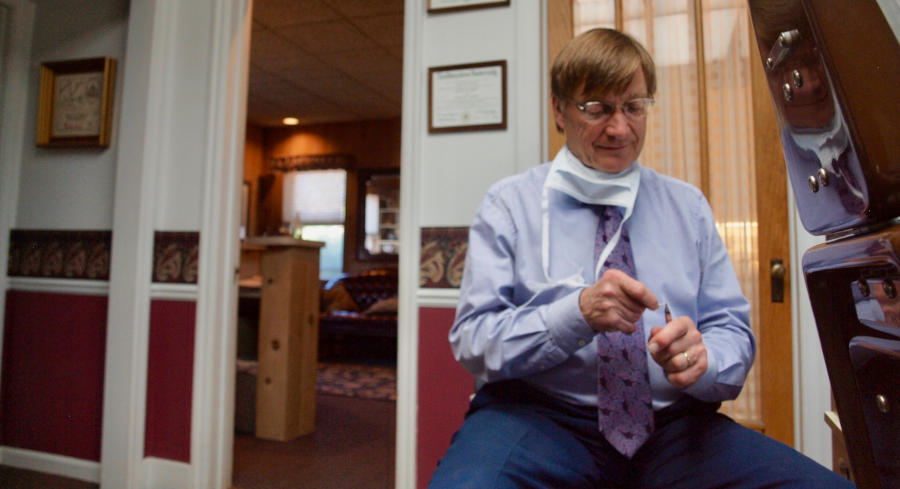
[491, 101]
[440, 6]
[75, 102]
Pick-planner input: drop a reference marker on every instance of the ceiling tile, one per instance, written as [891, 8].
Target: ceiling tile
[355, 8]
[325, 60]
[326, 37]
[277, 13]
[387, 30]
[277, 55]
[362, 61]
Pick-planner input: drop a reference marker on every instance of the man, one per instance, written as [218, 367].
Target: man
[572, 270]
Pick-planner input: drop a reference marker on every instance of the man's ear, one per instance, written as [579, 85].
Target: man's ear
[558, 107]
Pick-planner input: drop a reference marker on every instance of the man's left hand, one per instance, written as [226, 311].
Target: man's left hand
[678, 348]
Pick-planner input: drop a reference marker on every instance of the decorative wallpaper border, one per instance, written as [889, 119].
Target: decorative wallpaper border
[59, 254]
[86, 255]
[443, 256]
[176, 257]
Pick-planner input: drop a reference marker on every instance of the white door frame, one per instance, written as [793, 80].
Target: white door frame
[215, 351]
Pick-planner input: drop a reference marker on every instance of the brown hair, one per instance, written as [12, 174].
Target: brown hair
[600, 60]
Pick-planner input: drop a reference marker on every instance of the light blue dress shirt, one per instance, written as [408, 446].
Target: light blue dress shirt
[512, 324]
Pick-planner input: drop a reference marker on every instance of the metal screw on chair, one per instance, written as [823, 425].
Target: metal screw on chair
[823, 177]
[813, 183]
[798, 80]
[788, 92]
[889, 288]
[863, 287]
[882, 403]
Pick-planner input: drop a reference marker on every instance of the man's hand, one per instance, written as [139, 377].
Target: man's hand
[615, 302]
[678, 348]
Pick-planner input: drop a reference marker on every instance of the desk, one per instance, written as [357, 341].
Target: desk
[288, 335]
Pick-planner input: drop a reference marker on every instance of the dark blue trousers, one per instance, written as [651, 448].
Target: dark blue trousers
[517, 437]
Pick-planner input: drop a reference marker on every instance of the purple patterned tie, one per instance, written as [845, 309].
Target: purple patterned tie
[625, 410]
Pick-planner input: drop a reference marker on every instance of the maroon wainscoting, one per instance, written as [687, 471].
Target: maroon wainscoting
[444, 390]
[170, 373]
[52, 383]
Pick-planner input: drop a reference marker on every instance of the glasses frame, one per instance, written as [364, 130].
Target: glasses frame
[617, 107]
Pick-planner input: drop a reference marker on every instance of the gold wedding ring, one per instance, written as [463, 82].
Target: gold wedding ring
[687, 359]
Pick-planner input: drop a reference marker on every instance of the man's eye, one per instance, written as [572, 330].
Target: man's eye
[634, 107]
[601, 109]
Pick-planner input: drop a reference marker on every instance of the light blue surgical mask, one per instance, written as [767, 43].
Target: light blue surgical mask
[571, 177]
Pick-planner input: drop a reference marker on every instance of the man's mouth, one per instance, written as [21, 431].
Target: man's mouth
[611, 147]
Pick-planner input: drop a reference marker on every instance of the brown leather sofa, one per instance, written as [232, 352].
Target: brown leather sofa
[362, 304]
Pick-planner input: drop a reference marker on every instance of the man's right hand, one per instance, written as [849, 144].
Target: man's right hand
[615, 302]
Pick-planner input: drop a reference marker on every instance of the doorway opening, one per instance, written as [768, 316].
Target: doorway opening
[335, 66]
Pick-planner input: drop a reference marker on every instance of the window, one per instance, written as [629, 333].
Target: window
[314, 205]
[379, 203]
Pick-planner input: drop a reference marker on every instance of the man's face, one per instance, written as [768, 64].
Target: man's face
[610, 145]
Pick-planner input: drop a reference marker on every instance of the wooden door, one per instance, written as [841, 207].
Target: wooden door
[766, 406]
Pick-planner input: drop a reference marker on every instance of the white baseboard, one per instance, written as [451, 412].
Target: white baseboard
[166, 474]
[59, 285]
[49, 463]
[435, 297]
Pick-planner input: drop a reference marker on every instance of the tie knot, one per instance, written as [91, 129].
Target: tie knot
[608, 213]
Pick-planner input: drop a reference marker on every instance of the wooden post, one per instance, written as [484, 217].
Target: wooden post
[288, 339]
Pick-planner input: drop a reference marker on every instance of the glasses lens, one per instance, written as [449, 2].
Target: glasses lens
[636, 107]
[598, 110]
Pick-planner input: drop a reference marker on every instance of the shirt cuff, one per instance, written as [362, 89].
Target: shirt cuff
[705, 385]
[567, 325]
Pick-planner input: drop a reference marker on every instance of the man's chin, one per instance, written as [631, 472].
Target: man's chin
[610, 164]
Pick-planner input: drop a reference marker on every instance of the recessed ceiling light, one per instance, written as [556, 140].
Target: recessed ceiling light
[290, 121]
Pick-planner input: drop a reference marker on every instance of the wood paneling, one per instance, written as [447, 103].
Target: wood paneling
[774, 343]
[373, 144]
[253, 168]
[559, 31]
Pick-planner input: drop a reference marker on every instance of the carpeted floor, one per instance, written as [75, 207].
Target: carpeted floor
[13, 478]
[352, 447]
[354, 380]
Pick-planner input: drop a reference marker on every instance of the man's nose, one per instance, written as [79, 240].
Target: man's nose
[617, 124]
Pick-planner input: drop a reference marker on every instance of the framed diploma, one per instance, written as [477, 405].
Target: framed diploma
[468, 97]
[437, 6]
[75, 105]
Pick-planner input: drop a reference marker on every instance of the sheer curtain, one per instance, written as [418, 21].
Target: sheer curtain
[700, 129]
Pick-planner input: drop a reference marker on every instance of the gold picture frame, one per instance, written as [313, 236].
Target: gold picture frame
[75, 102]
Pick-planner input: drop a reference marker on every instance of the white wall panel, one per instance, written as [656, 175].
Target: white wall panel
[813, 391]
[70, 188]
[181, 159]
[457, 168]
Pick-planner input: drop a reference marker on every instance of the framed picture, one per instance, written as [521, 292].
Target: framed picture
[467, 97]
[437, 6]
[75, 105]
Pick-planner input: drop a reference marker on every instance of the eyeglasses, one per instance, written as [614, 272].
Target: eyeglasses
[634, 109]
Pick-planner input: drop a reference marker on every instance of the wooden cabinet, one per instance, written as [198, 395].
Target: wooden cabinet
[288, 337]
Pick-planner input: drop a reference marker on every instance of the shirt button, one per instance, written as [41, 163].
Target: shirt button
[582, 342]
